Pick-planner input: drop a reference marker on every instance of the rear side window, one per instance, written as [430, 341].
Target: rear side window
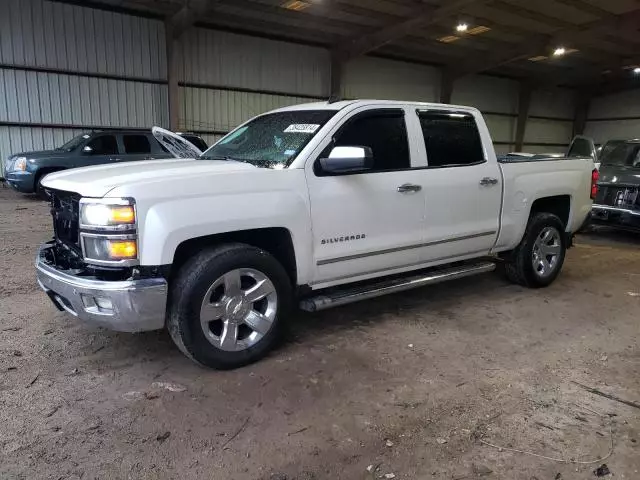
[136, 144]
[104, 145]
[581, 147]
[451, 139]
[382, 131]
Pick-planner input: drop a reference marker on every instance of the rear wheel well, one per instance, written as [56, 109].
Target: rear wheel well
[559, 205]
[277, 241]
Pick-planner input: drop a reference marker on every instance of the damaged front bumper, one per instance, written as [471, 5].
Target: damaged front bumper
[124, 305]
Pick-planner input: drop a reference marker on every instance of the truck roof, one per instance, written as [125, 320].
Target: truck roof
[339, 105]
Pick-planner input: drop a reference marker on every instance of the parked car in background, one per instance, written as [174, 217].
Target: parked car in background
[618, 200]
[24, 171]
[302, 205]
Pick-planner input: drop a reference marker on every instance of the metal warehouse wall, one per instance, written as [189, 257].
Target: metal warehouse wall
[227, 78]
[614, 117]
[65, 69]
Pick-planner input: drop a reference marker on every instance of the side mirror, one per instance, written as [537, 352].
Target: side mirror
[87, 150]
[347, 160]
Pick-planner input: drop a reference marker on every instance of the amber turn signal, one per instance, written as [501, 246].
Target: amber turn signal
[122, 249]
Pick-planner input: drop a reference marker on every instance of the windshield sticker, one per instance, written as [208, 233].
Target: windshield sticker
[288, 153]
[302, 128]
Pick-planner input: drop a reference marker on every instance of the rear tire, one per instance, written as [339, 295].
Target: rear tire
[228, 305]
[537, 260]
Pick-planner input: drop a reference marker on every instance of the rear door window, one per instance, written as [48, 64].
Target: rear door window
[451, 139]
[136, 144]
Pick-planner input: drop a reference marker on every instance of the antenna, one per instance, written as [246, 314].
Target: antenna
[334, 98]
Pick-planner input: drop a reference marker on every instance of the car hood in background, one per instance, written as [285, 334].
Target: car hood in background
[617, 175]
[99, 180]
[42, 154]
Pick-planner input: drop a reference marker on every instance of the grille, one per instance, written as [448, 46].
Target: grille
[619, 197]
[65, 208]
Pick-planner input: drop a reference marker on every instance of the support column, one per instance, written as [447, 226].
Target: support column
[446, 86]
[172, 75]
[524, 102]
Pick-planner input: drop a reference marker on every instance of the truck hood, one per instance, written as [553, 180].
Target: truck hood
[619, 175]
[99, 180]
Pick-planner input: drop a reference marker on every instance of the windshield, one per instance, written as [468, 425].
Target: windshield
[608, 147]
[73, 143]
[626, 154]
[272, 140]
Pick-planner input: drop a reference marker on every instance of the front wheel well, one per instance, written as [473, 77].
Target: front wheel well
[559, 205]
[276, 240]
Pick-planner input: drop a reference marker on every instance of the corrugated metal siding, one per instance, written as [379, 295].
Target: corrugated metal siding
[377, 78]
[556, 102]
[501, 128]
[615, 107]
[226, 59]
[548, 131]
[486, 93]
[623, 104]
[48, 34]
[613, 129]
[222, 110]
[38, 97]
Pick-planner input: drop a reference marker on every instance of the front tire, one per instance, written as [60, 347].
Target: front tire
[538, 259]
[228, 305]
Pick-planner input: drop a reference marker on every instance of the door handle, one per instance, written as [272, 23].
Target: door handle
[488, 181]
[409, 187]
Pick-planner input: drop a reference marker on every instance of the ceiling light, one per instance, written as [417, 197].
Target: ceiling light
[462, 27]
[478, 30]
[295, 5]
[559, 51]
[448, 39]
[636, 70]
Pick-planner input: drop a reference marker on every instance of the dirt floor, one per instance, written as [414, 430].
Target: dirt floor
[410, 386]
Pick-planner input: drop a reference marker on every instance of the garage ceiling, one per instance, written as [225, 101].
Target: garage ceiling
[516, 38]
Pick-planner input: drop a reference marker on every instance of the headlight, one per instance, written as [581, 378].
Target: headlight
[108, 231]
[20, 164]
[107, 216]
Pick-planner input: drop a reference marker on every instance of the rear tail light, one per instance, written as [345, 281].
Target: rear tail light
[595, 175]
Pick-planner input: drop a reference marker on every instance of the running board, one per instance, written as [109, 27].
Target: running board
[355, 294]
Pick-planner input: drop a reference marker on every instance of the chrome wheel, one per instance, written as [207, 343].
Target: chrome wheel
[238, 309]
[546, 251]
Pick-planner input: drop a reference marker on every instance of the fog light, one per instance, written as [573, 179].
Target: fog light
[120, 249]
[104, 303]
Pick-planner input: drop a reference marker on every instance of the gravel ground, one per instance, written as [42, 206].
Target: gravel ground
[409, 385]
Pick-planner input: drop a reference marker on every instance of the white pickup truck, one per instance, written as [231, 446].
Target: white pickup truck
[314, 205]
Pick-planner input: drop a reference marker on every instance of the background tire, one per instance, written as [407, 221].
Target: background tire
[519, 266]
[197, 280]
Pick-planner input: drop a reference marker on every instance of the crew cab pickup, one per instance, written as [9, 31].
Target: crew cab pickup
[314, 206]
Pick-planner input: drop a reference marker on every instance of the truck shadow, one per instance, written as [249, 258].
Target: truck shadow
[441, 299]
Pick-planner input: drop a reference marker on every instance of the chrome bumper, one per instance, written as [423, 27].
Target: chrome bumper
[124, 306]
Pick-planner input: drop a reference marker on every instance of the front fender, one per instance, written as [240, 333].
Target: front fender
[169, 223]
